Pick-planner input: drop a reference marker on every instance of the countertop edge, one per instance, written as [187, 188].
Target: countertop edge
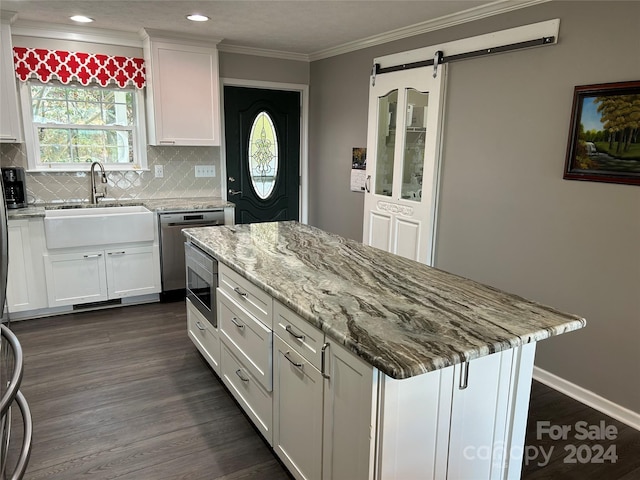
[398, 374]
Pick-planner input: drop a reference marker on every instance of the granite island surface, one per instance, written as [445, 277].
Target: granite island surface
[400, 316]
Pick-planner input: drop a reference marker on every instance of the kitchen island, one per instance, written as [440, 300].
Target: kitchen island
[446, 361]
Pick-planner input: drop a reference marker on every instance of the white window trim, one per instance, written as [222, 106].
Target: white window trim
[33, 153]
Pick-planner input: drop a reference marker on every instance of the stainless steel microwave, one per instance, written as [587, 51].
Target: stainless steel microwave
[202, 281]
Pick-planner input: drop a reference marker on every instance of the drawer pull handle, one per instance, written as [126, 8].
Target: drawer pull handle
[239, 373]
[234, 320]
[294, 334]
[299, 365]
[240, 292]
[200, 326]
[95, 255]
[117, 253]
[464, 376]
[323, 360]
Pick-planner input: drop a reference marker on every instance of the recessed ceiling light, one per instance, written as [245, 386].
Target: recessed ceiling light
[196, 17]
[81, 19]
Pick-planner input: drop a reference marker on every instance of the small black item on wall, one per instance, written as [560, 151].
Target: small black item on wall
[604, 135]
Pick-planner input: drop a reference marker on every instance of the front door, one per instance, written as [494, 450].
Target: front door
[262, 139]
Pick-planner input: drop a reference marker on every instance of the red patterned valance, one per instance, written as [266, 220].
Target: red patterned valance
[86, 68]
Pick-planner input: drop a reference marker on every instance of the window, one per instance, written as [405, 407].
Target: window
[263, 155]
[73, 126]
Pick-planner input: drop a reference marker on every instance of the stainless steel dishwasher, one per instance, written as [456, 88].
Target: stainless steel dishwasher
[172, 246]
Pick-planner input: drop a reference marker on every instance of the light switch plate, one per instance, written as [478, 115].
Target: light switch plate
[159, 171]
[205, 171]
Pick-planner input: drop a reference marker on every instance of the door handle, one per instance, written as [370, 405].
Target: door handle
[234, 192]
[367, 184]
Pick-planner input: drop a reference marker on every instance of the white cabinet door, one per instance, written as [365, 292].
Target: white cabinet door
[403, 159]
[297, 412]
[349, 416]
[10, 128]
[26, 288]
[74, 278]
[183, 96]
[250, 394]
[488, 417]
[132, 271]
[205, 336]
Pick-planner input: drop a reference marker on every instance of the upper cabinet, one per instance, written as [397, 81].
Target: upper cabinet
[10, 128]
[183, 95]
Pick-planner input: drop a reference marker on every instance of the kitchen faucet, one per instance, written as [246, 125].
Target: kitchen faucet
[94, 193]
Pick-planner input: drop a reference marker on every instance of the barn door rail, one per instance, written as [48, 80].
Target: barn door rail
[378, 70]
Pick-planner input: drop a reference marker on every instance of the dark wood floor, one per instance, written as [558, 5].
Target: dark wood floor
[122, 393]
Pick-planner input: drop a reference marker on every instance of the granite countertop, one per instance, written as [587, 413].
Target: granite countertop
[402, 317]
[153, 204]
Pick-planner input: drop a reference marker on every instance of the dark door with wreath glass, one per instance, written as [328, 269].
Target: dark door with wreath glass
[262, 142]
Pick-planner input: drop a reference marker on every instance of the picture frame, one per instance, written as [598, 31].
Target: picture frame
[604, 134]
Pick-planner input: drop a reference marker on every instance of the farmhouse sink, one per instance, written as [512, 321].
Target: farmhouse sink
[81, 227]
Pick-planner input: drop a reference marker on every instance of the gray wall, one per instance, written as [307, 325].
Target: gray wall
[250, 67]
[507, 218]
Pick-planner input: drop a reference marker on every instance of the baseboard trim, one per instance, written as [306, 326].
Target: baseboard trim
[593, 400]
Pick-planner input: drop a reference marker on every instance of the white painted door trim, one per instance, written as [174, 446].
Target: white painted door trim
[304, 134]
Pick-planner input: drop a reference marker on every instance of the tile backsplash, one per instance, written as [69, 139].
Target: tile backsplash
[179, 180]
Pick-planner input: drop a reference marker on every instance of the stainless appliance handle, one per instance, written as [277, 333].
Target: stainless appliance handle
[4, 251]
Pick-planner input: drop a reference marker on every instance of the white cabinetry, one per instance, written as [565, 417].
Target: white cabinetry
[438, 425]
[322, 409]
[331, 415]
[74, 278]
[183, 97]
[130, 271]
[10, 128]
[246, 344]
[204, 335]
[92, 275]
[297, 412]
[349, 416]
[26, 288]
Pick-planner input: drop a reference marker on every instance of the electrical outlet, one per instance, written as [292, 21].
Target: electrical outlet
[159, 171]
[205, 171]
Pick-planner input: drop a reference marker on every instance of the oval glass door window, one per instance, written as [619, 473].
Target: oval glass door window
[263, 155]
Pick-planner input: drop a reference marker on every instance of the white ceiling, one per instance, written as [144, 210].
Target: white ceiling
[307, 27]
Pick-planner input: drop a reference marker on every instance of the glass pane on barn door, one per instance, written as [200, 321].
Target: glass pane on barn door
[414, 144]
[387, 121]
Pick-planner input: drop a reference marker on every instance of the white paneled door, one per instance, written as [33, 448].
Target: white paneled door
[403, 159]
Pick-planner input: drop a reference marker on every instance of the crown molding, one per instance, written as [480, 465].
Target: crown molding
[263, 52]
[7, 16]
[476, 13]
[179, 37]
[76, 33]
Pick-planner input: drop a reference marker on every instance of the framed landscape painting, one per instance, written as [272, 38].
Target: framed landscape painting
[604, 135]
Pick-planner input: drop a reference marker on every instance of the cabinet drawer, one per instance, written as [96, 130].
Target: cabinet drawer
[303, 337]
[246, 294]
[204, 336]
[250, 340]
[254, 399]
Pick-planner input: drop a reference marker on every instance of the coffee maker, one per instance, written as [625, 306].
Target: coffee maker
[15, 187]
